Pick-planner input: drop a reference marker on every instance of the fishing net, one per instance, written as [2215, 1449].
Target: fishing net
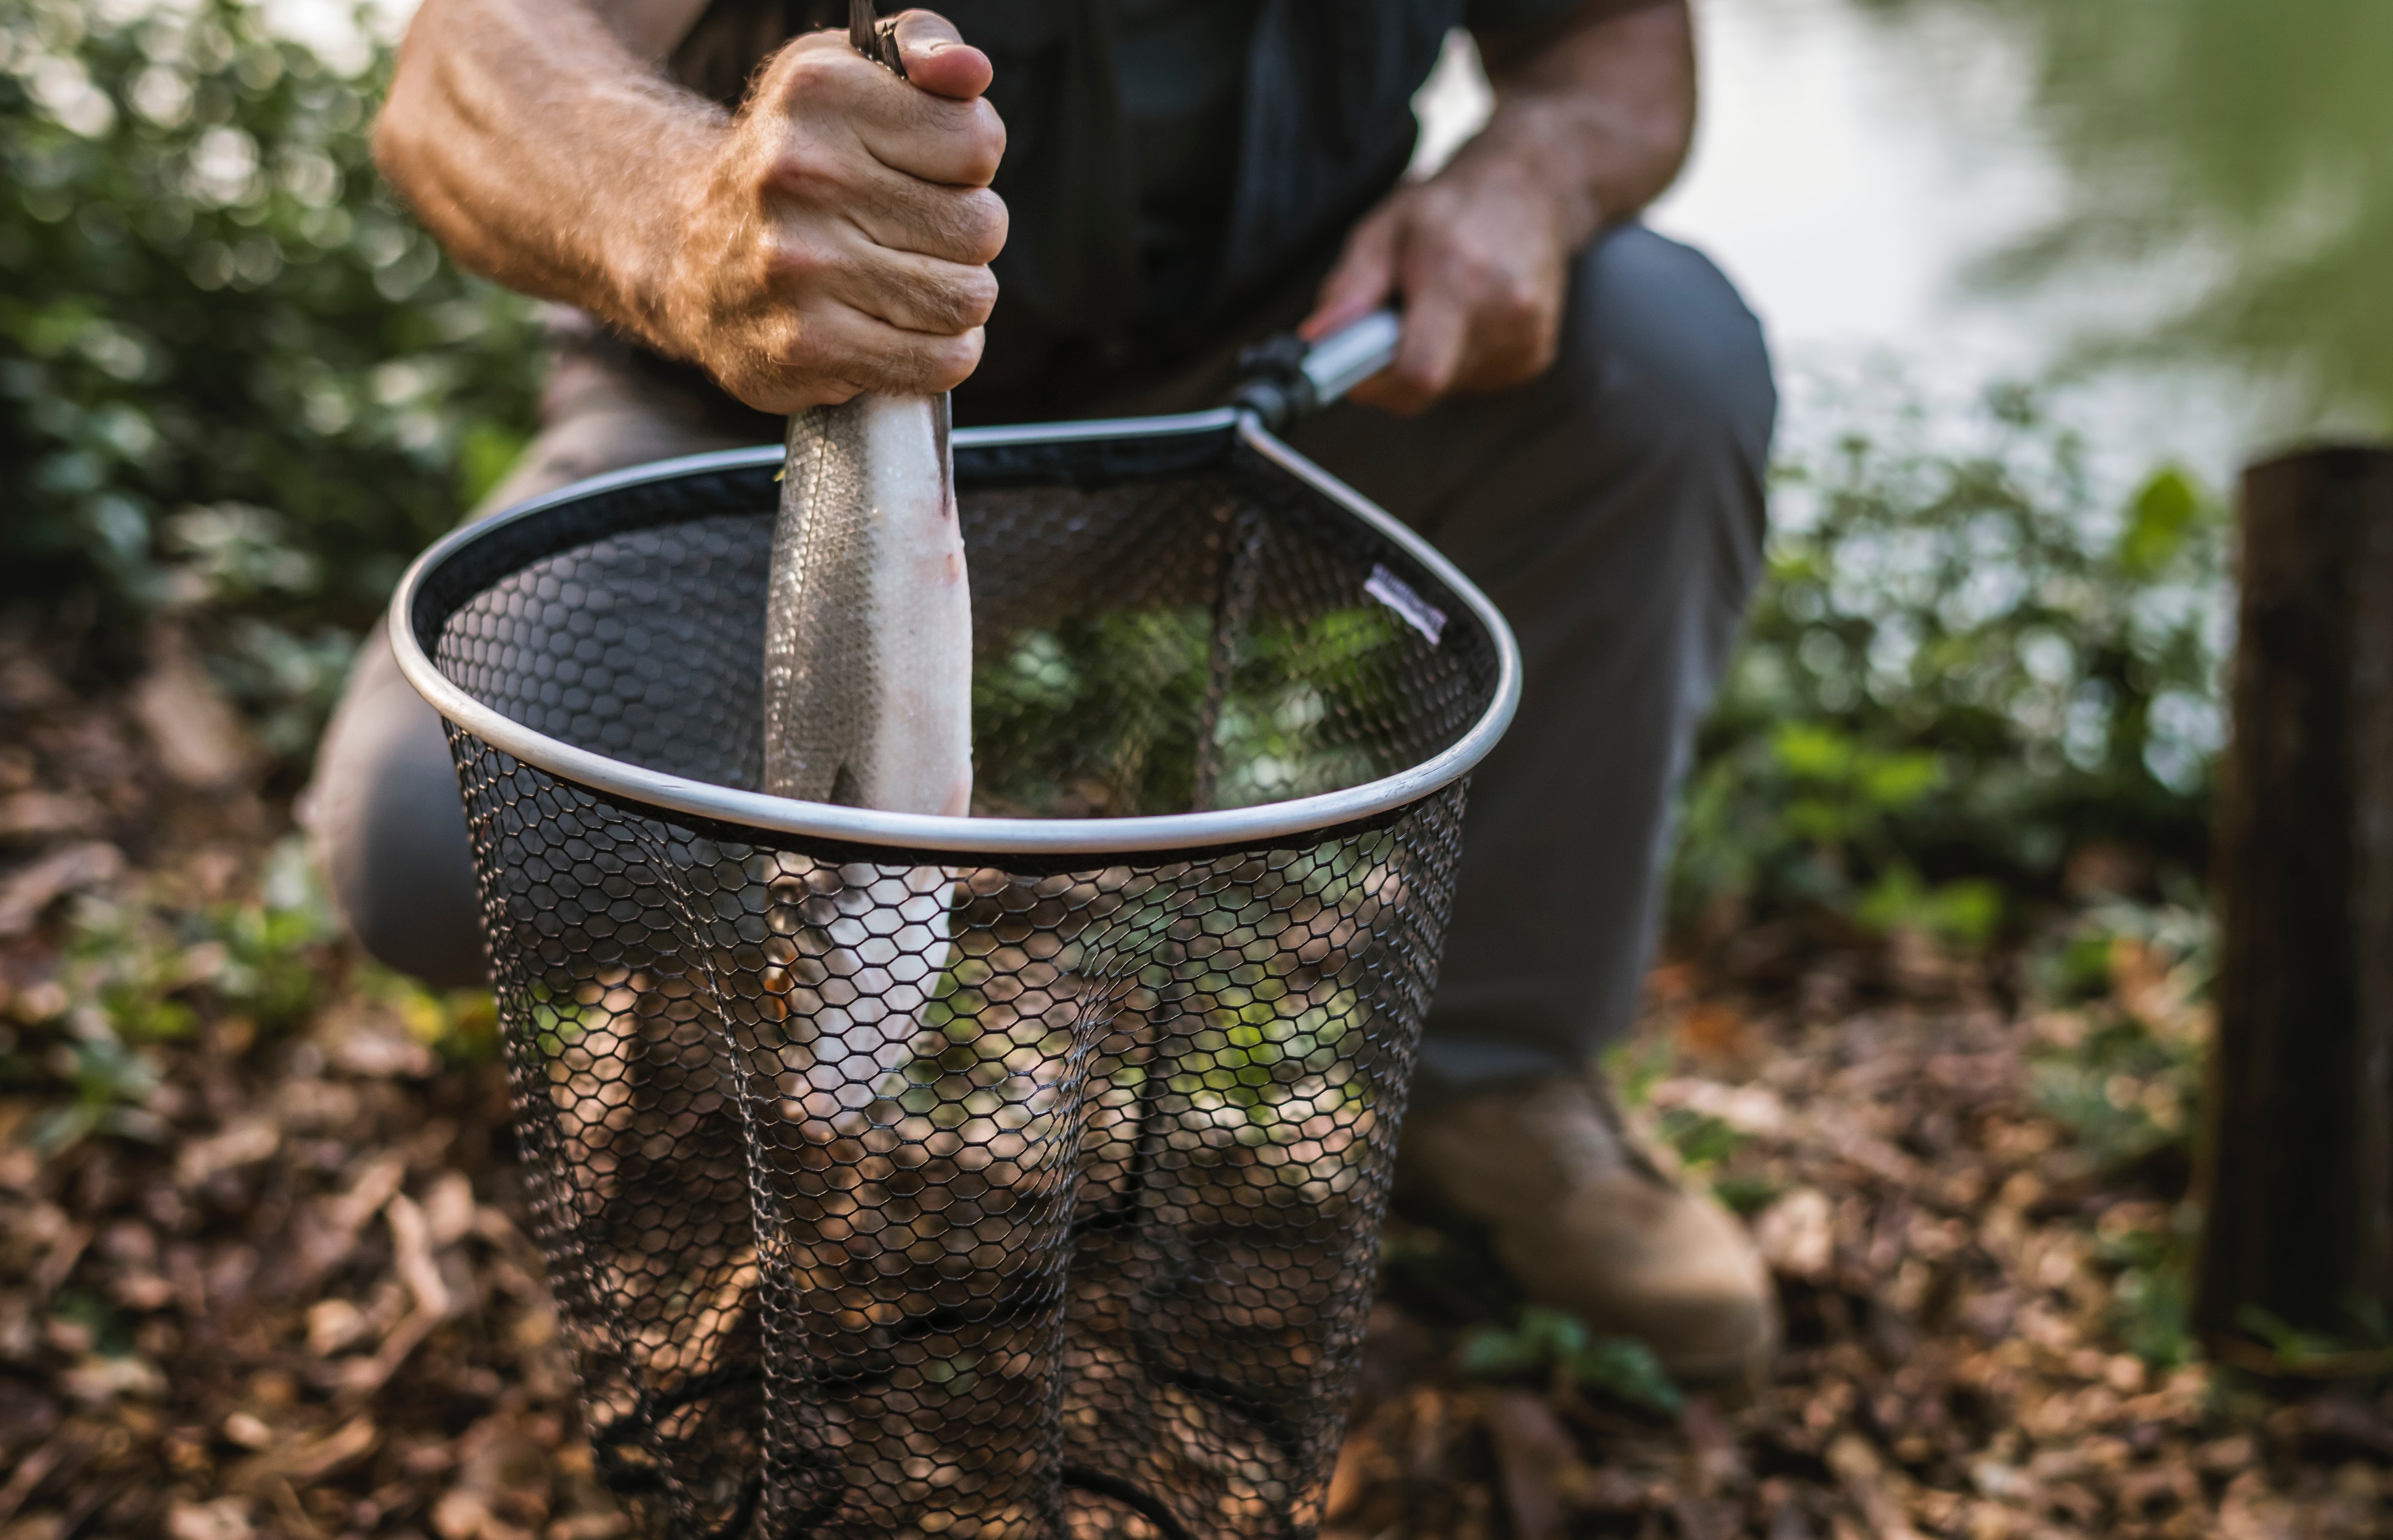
[1018, 1178]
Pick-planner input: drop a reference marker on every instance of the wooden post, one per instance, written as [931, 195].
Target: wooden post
[2297, 1171]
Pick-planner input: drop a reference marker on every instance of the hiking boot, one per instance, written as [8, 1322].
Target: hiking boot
[1586, 1223]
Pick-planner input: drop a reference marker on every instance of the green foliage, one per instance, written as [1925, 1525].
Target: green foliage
[2226, 180]
[2120, 1067]
[1125, 690]
[1544, 1342]
[1961, 665]
[138, 973]
[2364, 1351]
[234, 374]
[135, 974]
[2152, 1296]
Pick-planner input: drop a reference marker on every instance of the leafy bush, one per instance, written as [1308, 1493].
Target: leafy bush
[235, 377]
[1962, 667]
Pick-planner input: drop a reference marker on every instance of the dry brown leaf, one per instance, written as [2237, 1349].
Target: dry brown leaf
[198, 737]
[1532, 1454]
[308, 1460]
[244, 1144]
[1798, 1234]
[225, 1519]
[1877, 1491]
[29, 890]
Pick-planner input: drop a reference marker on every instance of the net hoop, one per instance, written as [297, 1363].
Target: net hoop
[1260, 824]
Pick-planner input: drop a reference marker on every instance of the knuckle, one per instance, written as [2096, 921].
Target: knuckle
[983, 226]
[795, 263]
[977, 300]
[984, 142]
[805, 169]
[802, 72]
[951, 361]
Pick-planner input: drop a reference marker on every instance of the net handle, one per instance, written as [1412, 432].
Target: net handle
[1284, 377]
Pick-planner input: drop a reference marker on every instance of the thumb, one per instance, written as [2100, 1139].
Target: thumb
[1361, 282]
[939, 59]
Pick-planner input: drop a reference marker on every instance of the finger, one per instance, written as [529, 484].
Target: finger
[831, 352]
[904, 213]
[1362, 280]
[939, 59]
[1436, 329]
[914, 292]
[867, 352]
[955, 143]
[818, 80]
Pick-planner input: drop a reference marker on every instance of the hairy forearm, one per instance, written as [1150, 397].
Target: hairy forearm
[1598, 109]
[544, 151]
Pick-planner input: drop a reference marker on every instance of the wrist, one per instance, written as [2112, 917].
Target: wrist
[651, 250]
[1526, 148]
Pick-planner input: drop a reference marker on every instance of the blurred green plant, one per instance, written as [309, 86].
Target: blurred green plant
[236, 379]
[2120, 1056]
[2226, 188]
[136, 974]
[1111, 705]
[1543, 1343]
[2118, 1063]
[2152, 1296]
[1962, 666]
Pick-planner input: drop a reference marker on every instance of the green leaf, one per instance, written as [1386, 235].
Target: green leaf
[2164, 513]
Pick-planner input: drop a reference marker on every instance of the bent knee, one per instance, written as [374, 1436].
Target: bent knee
[1662, 343]
[388, 827]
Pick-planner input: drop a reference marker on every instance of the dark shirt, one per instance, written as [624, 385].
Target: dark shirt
[1182, 65]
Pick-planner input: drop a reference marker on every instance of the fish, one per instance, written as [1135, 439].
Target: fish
[867, 703]
[868, 626]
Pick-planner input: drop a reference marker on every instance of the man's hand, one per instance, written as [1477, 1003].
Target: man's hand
[1480, 256]
[831, 237]
[839, 241]
[1593, 115]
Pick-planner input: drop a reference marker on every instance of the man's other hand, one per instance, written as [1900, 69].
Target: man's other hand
[840, 239]
[1594, 111]
[1480, 255]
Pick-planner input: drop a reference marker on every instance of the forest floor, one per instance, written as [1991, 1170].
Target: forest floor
[264, 1266]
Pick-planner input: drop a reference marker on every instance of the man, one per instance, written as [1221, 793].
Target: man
[1082, 206]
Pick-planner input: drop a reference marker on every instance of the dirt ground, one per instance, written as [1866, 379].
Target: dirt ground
[263, 1268]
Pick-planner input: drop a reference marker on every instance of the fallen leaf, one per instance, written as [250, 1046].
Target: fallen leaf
[26, 891]
[225, 1519]
[199, 738]
[1532, 1451]
[244, 1144]
[1798, 1234]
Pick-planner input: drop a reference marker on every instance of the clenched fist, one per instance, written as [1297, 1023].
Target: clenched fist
[839, 241]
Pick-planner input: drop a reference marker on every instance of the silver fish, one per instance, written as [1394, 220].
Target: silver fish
[868, 701]
[868, 630]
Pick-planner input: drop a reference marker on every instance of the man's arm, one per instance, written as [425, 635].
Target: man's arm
[831, 236]
[1594, 116]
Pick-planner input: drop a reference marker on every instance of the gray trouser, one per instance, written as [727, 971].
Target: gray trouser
[1614, 510]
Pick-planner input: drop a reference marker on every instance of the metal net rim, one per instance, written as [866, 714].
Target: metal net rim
[1260, 824]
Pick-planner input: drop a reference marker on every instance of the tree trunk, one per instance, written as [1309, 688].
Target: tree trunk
[2297, 1178]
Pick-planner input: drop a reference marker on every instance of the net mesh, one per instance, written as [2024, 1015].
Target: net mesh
[1059, 1217]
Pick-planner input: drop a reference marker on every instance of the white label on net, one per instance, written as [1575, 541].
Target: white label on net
[1398, 595]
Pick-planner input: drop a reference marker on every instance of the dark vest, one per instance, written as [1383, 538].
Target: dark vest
[1328, 127]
